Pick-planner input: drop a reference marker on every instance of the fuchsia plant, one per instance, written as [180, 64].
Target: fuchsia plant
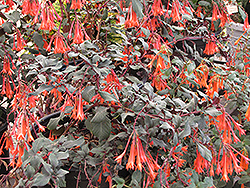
[122, 92]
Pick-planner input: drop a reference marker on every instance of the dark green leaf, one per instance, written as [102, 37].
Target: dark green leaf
[88, 93]
[205, 153]
[53, 122]
[43, 87]
[204, 3]
[62, 155]
[137, 7]
[38, 39]
[186, 131]
[107, 96]
[244, 179]
[120, 181]
[101, 114]
[40, 180]
[36, 161]
[100, 129]
[61, 173]
[7, 27]
[213, 112]
[29, 171]
[145, 31]
[53, 160]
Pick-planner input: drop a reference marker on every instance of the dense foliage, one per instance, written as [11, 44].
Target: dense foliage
[128, 92]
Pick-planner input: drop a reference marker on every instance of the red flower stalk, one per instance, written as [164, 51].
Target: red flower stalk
[131, 20]
[19, 45]
[77, 4]
[157, 8]
[187, 5]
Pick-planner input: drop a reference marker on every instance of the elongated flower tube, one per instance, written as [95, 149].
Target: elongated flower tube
[175, 14]
[20, 43]
[157, 8]
[60, 44]
[80, 114]
[131, 159]
[131, 20]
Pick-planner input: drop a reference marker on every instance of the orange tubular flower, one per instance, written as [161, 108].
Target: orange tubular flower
[78, 34]
[8, 91]
[20, 154]
[223, 19]
[32, 101]
[19, 45]
[247, 114]
[215, 13]
[157, 8]
[131, 20]
[159, 83]
[10, 3]
[119, 158]
[30, 7]
[6, 66]
[225, 166]
[9, 143]
[77, 4]
[246, 23]
[243, 161]
[201, 74]
[175, 14]
[61, 46]
[131, 159]
[198, 11]
[210, 48]
[237, 168]
[47, 19]
[80, 114]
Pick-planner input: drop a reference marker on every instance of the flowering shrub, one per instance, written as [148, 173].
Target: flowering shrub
[132, 86]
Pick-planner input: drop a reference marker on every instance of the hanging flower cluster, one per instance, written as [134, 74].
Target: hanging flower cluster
[18, 43]
[138, 158]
